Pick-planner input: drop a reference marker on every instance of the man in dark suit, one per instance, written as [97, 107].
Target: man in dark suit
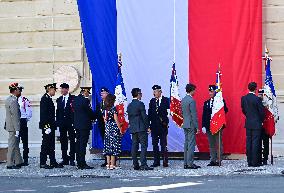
[83, 117]
[159, 121]
[48, 126]
[65, 121]
[100, 119]
[254, 111]
[138, 126]
[212, 139]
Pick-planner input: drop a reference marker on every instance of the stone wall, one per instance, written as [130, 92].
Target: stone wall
[36, 38]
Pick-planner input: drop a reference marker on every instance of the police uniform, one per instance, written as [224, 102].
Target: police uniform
[65, 121]
[26, 115]
[48, 126]
[100, 109]
[83, 117]
[265, 138]
[158, 117]
[212, 139]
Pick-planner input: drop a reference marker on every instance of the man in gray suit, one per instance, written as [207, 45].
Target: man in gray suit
[138, 126]
[12, 125]
[190, 126]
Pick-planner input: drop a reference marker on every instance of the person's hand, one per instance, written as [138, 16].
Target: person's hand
[17, 134]
[47, 131]
[197, 131]
[149, 131]
[204, 130]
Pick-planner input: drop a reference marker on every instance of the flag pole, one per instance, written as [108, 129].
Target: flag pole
[174, 31]
[271, 151]
[219, 148]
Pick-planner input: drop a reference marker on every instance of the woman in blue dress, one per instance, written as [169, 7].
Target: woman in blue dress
[112, 141]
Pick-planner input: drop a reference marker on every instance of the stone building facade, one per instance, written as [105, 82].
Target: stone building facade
[38, 37]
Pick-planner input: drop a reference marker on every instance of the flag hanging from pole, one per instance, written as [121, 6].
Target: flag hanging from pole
[175, 104]
[218, 118]
[269, 99]
[121, 100]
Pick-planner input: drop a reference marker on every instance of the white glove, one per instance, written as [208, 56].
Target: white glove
[47, 131]
[17, 134]
[203, 130]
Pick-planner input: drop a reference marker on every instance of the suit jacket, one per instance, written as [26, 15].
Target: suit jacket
[100, 116]
[189, 113]
[207, 111]
[83, 113]
[159, 117]
[13, 114]
[253, 110]
[47, 113]
[138, 120]
[65, 116]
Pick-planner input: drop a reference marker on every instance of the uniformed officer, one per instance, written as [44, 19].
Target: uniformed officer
[212, 139]
[65, 121]
[26, 115]
[100, 112]
[83, 117]
[158, 117]
[12, 126]
[48, 126]
[265, 138]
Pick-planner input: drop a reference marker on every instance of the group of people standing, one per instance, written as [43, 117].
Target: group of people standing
[74, 117]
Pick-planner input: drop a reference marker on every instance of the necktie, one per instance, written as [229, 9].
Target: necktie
[64, 102]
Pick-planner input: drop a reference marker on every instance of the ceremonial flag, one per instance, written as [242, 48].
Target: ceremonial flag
[175, 104]
[218, 119]
[269, 99]
[121, 100]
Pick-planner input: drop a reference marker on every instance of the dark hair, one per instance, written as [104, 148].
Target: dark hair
[135, 92]
[252, 86]
[190, 87]
[12, 90]
[109, 102]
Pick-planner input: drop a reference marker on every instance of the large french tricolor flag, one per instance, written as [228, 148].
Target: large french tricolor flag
[195, 35]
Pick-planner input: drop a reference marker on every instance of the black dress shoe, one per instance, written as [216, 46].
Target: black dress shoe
[104, 165]
[146, 168]
[185, 166]
[154, 165]
[13, 167]
[64, 163]
[193, 167]
[72, 163]
[85, 167]
[56, 165]
[22, 164]
[45, 166]
[213, 164]
[136, 168]
[282, 172]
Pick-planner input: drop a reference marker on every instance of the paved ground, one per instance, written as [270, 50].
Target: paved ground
[233, 177]
[203, 184]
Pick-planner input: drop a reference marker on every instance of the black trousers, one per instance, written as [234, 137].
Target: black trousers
[82, 137]
[139, 138]
[162, 139]
[67, 132]
[48, 147]
[253, 147]
[265, 146]
[24, 136]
